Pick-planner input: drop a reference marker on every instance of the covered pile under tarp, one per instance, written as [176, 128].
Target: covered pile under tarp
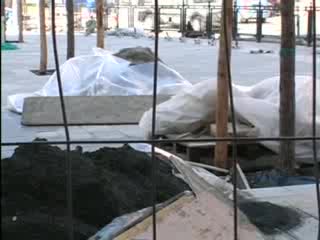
[104, 74]
[257, 105]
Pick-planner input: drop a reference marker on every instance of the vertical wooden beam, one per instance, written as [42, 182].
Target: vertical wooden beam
[100, 27]
[287, 86]
[70, 31]
[43, 38]
[20, 19]
[222, 101]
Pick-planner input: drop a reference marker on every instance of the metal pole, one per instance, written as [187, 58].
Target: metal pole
[159, 18]
[183, 28]
[235, 22]
[298, 22]
[129, 16]
[309, 34]
[259, 23]
[107, 17]
[209, 21]
[118, 9]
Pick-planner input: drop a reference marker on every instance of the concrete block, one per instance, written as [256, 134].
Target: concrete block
[87, 110]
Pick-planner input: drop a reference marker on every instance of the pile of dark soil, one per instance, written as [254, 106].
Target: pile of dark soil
[107, 183]
[270, 218]
[136, 55]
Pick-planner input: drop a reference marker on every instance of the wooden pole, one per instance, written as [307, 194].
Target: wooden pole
[100, 27]
[20, 19]
[222, 101]
[70, 31]
[287, 86]
[43, 38]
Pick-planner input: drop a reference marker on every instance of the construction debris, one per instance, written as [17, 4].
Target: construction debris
[260, 51]
[197, 41]
[127, 32]
[137, 55]
[255, 105]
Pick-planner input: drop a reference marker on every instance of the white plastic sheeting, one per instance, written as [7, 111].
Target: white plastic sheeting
[102, 74]
[257, 105]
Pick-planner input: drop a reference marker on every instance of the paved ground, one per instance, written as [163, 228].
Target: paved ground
[194, 62]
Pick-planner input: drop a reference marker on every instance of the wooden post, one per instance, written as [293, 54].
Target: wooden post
[20, 19]
[100, 27]
[222, 102]
[70, 30]
[3, 22]
[43, 38]
[309, 27]
[287, 86]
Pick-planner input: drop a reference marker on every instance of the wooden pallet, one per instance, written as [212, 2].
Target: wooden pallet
[192, 151]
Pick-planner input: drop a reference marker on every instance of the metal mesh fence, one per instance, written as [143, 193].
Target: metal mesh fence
[179, 13]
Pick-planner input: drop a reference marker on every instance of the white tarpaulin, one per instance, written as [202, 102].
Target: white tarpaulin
[257, 105]
[102, 74]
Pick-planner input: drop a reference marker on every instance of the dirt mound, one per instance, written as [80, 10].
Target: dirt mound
[136, 55]
[106, 184]
[270, 218]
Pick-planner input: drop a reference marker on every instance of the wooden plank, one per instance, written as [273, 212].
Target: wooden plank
[222, 101]
[202, 144]
[242, 180]
[287, 86]
[100, 26]
[194, 144]
[84, 110]
[242, 130]
[161, 215]
[208, 167]
[206, 217]
[43, 38]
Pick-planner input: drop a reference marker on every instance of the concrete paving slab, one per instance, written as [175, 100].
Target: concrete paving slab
[76, 133]
[87, 110]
